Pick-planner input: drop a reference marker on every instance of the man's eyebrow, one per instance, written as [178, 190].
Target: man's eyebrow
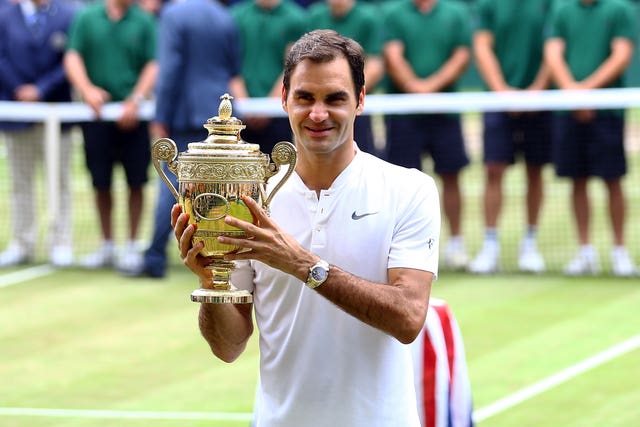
[302, 92]
[338, 95]
[341, 94]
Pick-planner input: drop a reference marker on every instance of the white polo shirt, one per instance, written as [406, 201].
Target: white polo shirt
[318, 365]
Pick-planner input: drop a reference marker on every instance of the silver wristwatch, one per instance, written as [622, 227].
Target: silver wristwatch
[318, 274]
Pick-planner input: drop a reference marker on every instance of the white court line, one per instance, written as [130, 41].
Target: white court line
[556, 379]
[25, 275]
[140, 415]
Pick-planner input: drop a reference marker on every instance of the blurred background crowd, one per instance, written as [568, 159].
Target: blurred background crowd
[183, 54]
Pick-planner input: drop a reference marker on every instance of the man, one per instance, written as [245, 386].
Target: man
[508, 46]
[426, 51]
[360, 21]
[331, 352]
[189, 86]
[267, 28]
[590, 47]
[32, 42]
[111, 57]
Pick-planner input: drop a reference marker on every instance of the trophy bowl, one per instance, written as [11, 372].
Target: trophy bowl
[213, 177]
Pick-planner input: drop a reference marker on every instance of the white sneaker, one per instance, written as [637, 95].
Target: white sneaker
[486, 262]
[14, 255]
[621, 264]
[130, 259]
[61, 256]
[530, 260]
[584, 263]
[102, 258]
[455, 255]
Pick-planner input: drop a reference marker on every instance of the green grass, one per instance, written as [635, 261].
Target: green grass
[95, 340]
[98, 341]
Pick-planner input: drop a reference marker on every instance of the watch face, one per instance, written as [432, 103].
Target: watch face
[319, 274]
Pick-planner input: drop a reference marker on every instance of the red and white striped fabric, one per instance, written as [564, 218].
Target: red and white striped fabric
[443, 390]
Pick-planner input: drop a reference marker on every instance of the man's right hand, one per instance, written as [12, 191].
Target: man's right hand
[189, 252]
[95, 97]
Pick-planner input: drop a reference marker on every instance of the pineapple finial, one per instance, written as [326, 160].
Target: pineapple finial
[225, 109]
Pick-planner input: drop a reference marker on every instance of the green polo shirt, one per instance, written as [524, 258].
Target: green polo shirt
[114, 53]
[429, 38]
[589, 29]
[264, 36]
[362, 23]
[518, 29]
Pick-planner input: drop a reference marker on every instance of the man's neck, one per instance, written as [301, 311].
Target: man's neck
[319, 172]
[342, 8]
[425, 6]
[37, 4]
[116, 9]
[268, 4]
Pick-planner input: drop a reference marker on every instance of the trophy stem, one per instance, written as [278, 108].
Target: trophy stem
[223, 291]
[221, 274]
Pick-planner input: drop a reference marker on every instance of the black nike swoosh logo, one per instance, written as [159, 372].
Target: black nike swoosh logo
[356, 217]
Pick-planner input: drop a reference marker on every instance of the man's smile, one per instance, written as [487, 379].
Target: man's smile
[319, 130]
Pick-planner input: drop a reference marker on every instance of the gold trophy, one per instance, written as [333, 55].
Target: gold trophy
[213, 176]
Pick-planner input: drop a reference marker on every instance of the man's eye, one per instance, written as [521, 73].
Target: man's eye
[336, 101]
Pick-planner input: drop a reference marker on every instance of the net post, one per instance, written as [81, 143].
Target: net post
[52, 162]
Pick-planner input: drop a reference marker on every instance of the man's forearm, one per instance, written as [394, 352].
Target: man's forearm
[226, 328]
[450, 71]
[146, 80]
[76, 71]
[613, 67]
[554, 59]
[398, 308]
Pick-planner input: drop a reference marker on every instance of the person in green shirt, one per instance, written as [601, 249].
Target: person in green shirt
[427, 49]
[508, 44]
[111, 57]
[590, 47]
[267, 28]
[361, 22]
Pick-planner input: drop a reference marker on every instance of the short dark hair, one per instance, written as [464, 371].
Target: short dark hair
[324, 46]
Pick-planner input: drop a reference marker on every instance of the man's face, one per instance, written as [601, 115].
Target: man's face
[321, 105]
[340, 6]
[268, 4]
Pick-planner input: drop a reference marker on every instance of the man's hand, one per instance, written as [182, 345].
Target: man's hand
[27, 93]
[129, 118]
[189, 252]
[268, 243]
[95, 97]
[584, 116]
[158, 130]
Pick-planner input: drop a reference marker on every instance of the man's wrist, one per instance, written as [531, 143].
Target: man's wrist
[318, 274]
[136, 97]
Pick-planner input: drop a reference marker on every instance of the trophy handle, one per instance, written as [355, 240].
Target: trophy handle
[165, 150]
[283, 153]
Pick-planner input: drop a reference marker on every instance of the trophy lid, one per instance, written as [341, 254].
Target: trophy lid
[224, 133]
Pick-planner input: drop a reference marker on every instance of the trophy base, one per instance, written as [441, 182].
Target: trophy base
[221, 296]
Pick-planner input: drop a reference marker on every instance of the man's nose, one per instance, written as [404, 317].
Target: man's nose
[318, 112]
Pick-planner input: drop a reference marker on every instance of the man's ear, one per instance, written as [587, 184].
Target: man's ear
[360, 106]
[284, 99]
